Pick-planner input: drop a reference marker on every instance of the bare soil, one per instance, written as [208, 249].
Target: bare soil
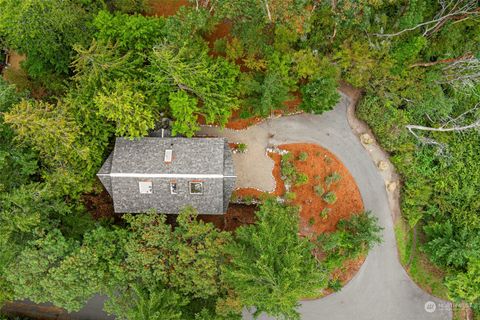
[319, 164]
[165, 8]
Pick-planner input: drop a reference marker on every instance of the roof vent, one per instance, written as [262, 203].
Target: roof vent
[168, 155]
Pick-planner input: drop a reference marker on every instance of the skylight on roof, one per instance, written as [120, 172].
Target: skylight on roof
[168, 155]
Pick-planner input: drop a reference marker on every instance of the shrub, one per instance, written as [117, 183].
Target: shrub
[335, 284]
[289, 172]
[332, 178]
[303, 156]
[319, 190]
[302, 179]
[353, 237]
[242, 147]
[330, 197]
[290, 195]
[287, 157]
[248, 199]
[324, 213]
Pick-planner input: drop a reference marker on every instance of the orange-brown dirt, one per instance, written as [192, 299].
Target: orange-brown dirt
[165, 8]
[319, 164]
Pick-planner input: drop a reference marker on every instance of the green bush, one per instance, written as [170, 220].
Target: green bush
[324, 213]
[242, 147]
[302, 179]
[352, 237]
[335, 284]
[332, 178]
[290, 195]
[303, 156]
[330, 197]
[319, 190]
[289, 172]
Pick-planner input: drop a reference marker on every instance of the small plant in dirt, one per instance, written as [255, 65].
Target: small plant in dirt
[311, 221]
[302, 179]
[330, 197]
[318, 154]
[335, 284]
[324, 213]
[241, 147]
[303, 156]
[327, 159]
[290, 196]
[289, 172]
[316, 177]
[248, 199]
[287, 157]
[319, 190]
[234, 197]
[332, 178]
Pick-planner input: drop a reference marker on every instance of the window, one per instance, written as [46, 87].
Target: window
[196, 187]
[145, 187]
[173, 188]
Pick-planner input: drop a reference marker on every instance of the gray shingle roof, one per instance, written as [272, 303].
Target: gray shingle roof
[206, 160]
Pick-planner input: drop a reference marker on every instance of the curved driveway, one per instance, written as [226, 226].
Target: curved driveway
[381, 290]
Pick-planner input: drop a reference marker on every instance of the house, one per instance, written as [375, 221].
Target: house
[167, 174]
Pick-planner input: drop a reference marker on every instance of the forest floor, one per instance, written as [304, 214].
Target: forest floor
[165, 8]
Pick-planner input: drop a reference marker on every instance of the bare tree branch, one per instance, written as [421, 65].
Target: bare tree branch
[444, 61]
[461, 9]
[473, 125]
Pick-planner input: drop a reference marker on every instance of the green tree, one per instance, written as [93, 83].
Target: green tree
[210, 81]
[29, 272]
[320, 93]
[44, 30]
[187, 258]
[271, 266]
[131, 33]
[17, 164]
[465, 286]
[128, 108]
[56, 143]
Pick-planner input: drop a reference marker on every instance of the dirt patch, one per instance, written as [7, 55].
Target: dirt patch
[349, 268]
[237, 215]
[320, 164]
[14, 59]
[165, 8]
[14, 73]
[221, 30]
[100, 206]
